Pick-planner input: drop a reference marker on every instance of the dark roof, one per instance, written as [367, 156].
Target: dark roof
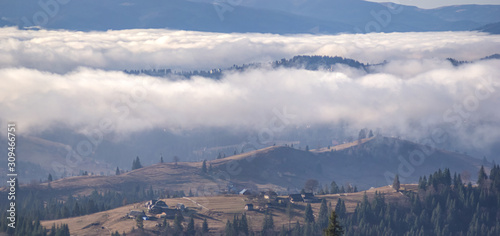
[271, 193]
[244, 192]
[160, 203]
[136, 213]
[308, 195]
[295, 197]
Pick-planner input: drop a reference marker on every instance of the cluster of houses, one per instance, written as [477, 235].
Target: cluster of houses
[274, 200]
[304, 197]
[158, 207]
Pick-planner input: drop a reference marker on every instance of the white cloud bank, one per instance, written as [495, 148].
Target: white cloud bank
[417, 89]
[63, 51]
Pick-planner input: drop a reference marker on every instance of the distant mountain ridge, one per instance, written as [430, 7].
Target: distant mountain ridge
[493, 28]
[298, 62]
[281, 16]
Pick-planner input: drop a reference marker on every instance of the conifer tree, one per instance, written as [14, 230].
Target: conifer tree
[244, 224]
[236, 224]
[76, 209]
[136, 164]
[482, 177]
[190, 230]
[229, 230]
[334, 188]
[204, 227]
[204, 166]
[139, 222]
[53, 230]
[289, 213]
[268, 224]
[396, 184]
[323, 215]
[178, 223]
[308, 216]
[340, 209]
[334, 227]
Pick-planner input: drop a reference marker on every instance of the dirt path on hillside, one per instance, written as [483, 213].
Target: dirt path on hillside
[198, 204]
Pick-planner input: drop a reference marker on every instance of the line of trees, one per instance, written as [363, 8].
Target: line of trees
[33, 204]
[443, 205]
[27, 225]
[239, 226]
[335, 188]
[178, 229]
[325, 223]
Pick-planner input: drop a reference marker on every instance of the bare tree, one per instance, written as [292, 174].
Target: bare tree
[176, 159]
[311, 185]
[465, 176]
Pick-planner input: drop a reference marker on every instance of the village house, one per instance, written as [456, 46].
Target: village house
[249, 207]
[158, 207]
[295, 198]
[270, 195]
[134, 214]
[308, 197]
[180, 207]
[170, 213]
[245, 192]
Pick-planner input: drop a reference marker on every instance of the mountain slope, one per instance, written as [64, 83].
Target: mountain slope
[175, 14]
[39, 157]
[480, 14]
[166, 176]
[493, 28]
[389, 17]
[369, 164]
[280, 16]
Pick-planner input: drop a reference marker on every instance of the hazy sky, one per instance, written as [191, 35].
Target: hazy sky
[439, 3]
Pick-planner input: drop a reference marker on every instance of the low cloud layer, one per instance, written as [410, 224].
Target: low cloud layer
[67, 79]
[396, 96]
[64, 51]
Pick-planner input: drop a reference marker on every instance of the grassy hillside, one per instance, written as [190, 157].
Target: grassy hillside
[41, 156]
[217, 210]
[366, 163]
